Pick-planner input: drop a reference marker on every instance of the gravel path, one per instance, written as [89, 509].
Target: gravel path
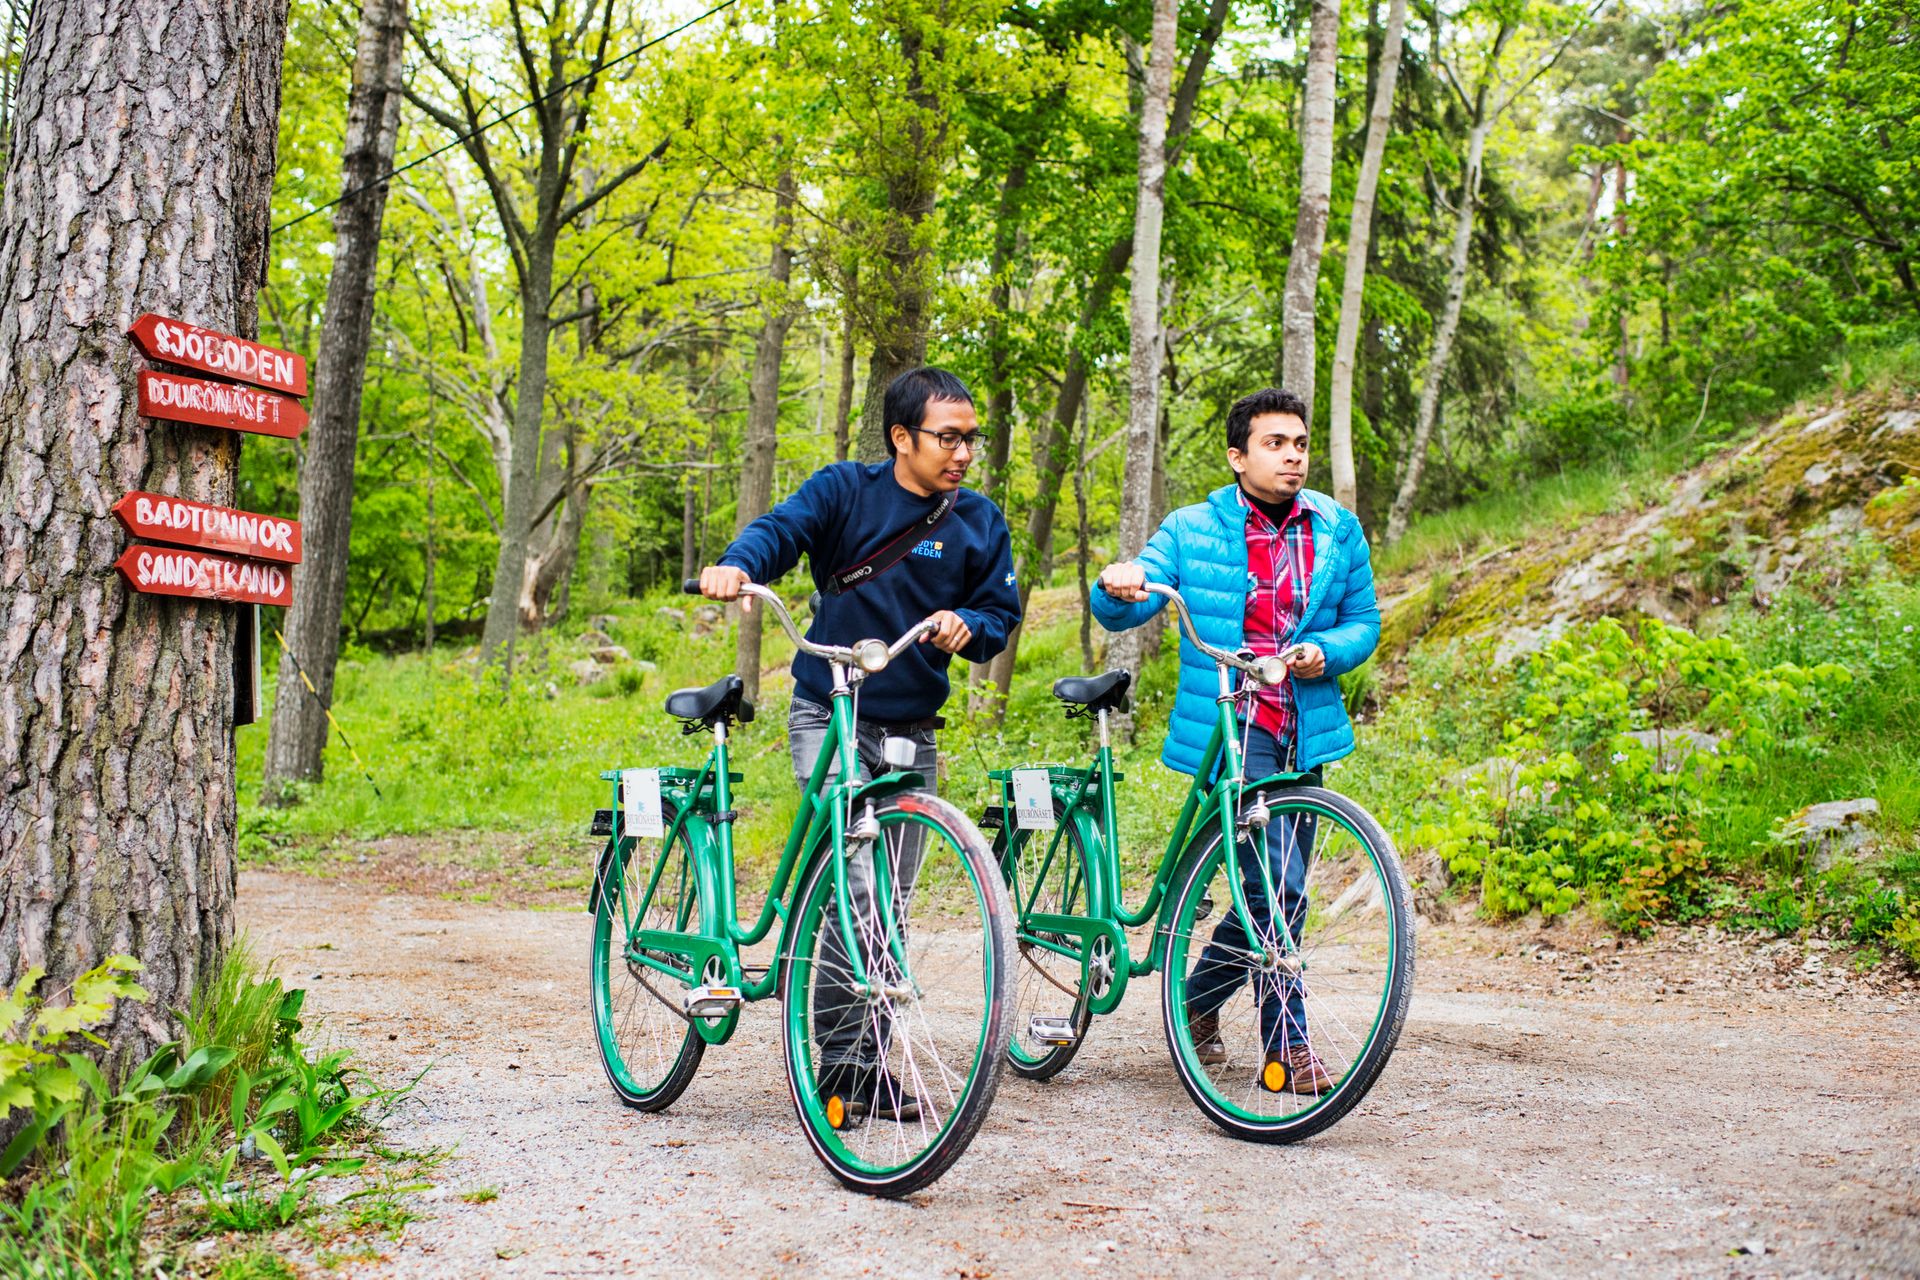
[1690, 1106]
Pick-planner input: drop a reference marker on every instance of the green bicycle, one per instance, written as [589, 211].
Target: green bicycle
[1277, 1030]
[893, 948]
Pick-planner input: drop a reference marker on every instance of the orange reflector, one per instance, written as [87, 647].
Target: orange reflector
[1273, 1078]
[836, 1111]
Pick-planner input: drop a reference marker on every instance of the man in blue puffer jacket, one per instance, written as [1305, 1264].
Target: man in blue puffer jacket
[1267, 565]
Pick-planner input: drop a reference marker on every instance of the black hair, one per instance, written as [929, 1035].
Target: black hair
[907, 396]
[1247, 408]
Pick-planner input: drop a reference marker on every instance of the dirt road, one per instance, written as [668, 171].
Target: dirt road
[1687, 1106]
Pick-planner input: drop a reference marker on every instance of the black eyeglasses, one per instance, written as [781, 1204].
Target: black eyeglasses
[951, 440]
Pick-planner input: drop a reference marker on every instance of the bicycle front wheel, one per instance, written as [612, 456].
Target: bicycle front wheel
[1279, 1026]
[892, 1078]
[647, 1045]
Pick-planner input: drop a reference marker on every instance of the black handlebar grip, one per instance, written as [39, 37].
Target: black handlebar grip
[691, 586]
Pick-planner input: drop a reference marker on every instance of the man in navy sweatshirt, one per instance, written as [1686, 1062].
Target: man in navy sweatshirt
[960, 573]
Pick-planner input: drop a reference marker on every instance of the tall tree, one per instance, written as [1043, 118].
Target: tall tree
[1297, 349]
[541, 188]
[1492, 94]
[1053, 436]
[763, 411]
[909, 160]
[141, 180]
[1146, 337]
[1346, 489]
[296, 741]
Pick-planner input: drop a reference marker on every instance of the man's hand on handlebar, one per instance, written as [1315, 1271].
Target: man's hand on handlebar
[1125, 581]
[723, 582]
[951, 635]
[1309, 661]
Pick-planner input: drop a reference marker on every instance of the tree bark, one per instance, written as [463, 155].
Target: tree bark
[1346, 488]
[1297, 349]
[762, 444]
[1443, 335]
[1146, 340]
[298, 735]
[843, 414]
[912, 186]
[140, 180]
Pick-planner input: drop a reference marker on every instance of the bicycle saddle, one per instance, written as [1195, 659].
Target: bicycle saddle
[1095, 693]
[720, 700]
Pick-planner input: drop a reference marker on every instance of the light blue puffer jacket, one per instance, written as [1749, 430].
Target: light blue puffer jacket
[1201, 551]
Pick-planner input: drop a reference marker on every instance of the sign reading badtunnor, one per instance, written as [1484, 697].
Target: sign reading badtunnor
[178, 342]
[174, 571]
[208, 403]
[196, 524]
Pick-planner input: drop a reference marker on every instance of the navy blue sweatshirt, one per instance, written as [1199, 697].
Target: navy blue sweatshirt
[845, 513]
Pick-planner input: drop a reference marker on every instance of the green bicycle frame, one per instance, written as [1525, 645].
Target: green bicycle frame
[1076, 792]
[698, 806]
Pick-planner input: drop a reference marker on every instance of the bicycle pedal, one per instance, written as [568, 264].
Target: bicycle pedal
[711, 1001]
[1203, 908]
[1054, 1031]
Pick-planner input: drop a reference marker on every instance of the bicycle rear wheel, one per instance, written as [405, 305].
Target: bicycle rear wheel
[647, 1045]
[1049, 979]
[891, 1084]
[1308, 1002]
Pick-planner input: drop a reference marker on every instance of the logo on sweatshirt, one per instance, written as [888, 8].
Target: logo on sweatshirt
[929, 548]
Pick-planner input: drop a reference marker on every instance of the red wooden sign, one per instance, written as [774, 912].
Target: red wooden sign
[219, 404]
[195, 524]
[170, 571]
[177, 342]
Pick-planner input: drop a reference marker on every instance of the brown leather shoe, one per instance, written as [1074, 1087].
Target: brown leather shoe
[1296, 1070]
[1204, 1031]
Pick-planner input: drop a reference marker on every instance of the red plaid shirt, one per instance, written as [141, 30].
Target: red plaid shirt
[1280, 570]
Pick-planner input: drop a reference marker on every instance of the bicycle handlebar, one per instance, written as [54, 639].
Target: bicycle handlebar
[865, 655]
[1271, 670]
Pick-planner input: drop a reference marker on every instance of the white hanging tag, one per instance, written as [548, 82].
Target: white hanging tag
[1032, 800]
[641, 791]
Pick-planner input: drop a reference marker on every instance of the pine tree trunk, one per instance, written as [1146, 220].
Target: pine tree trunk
[1297, 350]
[140, 180]
[298, 735]
[762, 444]
[912, 184]
[1443, 336]
[1346, 489]
[1146, 338]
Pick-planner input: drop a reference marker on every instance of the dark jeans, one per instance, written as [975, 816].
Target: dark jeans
[848, 1031]
[1223, 966]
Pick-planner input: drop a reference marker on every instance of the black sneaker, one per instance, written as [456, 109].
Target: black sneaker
[889, 1099]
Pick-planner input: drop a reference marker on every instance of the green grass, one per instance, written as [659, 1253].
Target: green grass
[1528, 509]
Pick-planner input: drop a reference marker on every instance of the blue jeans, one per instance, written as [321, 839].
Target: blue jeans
[1223, 966]
[847, 1033]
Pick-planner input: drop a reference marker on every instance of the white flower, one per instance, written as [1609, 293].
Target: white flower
[1619, 757]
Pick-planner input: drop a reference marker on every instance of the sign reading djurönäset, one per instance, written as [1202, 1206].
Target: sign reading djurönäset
[177, 342]
[171, 571]
[196, 524]
[219, 404]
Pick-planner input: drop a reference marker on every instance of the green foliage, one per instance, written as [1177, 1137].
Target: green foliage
[100, 1150]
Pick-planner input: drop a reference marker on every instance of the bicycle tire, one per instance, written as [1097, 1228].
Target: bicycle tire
[804, 975]
[616, 1005]
[1364, 1067]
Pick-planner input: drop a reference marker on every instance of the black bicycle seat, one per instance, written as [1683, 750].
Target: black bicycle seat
[721, 700]
[1095, 693]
